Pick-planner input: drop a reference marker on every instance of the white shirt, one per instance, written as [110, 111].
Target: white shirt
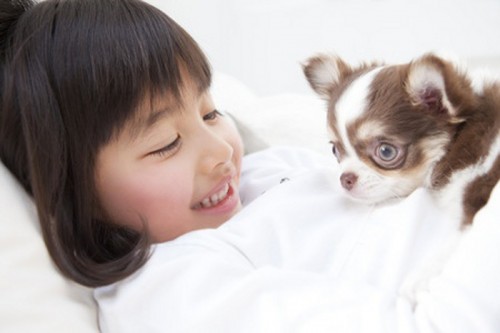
[301, 258]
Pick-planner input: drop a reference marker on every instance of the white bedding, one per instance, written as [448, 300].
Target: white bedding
[35, 298]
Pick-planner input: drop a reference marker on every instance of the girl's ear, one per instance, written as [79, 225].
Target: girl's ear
[323, 72]
[426, 86]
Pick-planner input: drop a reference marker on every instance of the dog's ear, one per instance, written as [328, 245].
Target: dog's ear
[323, 72]
[426, 86]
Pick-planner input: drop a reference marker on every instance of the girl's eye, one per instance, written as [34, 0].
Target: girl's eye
[212, 115]
[168, 149]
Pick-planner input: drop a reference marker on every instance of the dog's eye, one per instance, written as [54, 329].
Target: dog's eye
[335, 150]
[387, 152]
[389, 156]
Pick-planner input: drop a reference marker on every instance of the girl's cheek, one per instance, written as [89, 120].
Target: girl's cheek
[134, 195]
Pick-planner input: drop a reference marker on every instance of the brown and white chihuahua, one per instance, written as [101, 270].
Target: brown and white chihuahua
[395, 128]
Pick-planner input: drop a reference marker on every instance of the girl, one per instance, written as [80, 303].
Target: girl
[107, 121]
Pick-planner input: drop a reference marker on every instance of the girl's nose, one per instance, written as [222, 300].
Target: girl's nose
[216, 153]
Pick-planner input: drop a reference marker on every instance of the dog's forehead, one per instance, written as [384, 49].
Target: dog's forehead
[350, 106]
[355, 98]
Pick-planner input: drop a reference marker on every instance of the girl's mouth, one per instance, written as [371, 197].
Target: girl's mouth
[214, 199]
[223, 200]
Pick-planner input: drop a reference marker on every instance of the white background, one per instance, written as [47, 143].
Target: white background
[263, 42]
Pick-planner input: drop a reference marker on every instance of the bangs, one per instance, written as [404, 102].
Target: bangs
[115, 57]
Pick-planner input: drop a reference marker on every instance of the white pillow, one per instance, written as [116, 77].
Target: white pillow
[34, 296]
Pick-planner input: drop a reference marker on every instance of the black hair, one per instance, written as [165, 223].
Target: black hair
[73, 72]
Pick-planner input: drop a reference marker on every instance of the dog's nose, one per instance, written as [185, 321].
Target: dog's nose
[348, 180]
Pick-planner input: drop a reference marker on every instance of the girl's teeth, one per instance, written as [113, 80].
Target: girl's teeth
[215, 198]
[206, 202]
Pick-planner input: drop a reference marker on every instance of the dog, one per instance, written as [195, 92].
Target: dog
[395, 128]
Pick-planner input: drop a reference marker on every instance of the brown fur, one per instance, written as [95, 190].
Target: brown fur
[478, 192]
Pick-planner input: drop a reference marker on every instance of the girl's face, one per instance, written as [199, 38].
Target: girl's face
[174, 170]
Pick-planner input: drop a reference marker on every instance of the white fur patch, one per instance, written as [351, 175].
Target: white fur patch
[369, 130]
[352, 104]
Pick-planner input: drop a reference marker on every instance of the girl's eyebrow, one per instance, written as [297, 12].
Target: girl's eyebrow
[153, 118]
[142, 124]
